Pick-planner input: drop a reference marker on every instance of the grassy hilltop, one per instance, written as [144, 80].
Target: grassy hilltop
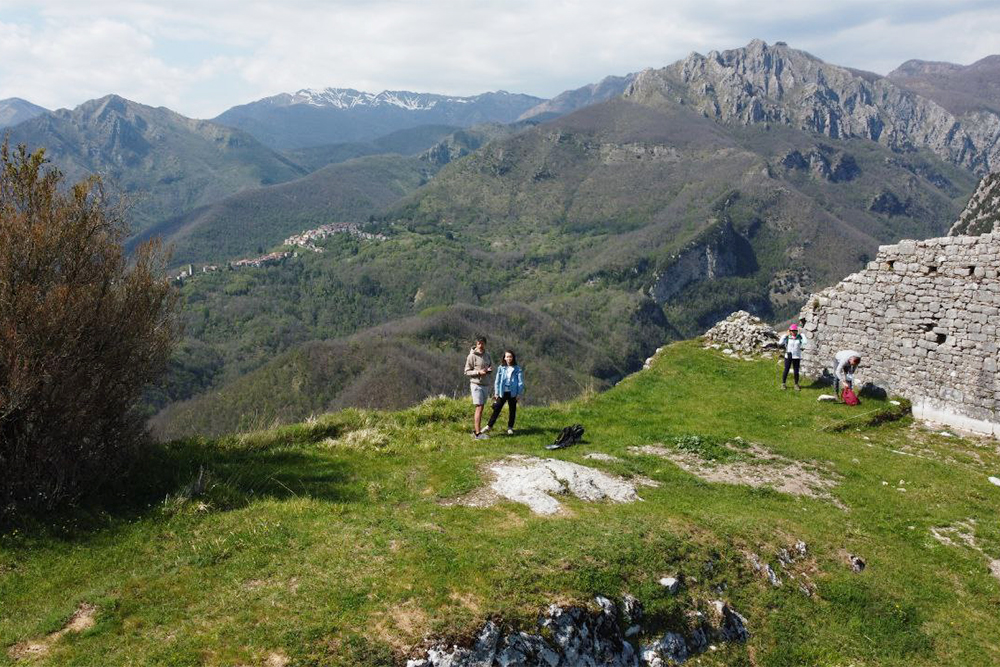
[336, 541]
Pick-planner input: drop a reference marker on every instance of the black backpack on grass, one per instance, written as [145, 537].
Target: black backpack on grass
[569, 436]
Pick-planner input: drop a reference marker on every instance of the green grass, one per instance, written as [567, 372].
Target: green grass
[328, 541]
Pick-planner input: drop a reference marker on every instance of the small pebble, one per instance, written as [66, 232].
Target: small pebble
[670, 583]
[894, 402]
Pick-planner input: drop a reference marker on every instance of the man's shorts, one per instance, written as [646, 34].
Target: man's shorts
[480, 394]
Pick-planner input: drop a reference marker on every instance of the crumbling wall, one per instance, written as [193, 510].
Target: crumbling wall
[925, 317]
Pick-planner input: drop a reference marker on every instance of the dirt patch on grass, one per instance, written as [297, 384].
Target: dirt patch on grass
[964, 532]
[751, 465]
[82, 619]
[536, 482]
[276, 659]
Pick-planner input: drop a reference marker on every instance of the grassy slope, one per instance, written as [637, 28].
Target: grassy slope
[342, 553]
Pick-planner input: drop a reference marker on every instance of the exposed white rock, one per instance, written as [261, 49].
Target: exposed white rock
[533, 482]
[671, 584]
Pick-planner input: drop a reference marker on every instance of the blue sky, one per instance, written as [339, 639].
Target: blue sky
[201, 57]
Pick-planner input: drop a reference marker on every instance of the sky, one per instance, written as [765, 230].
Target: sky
[200, 57]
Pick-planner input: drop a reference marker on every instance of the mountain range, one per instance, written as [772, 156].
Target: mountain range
[629, 222]
[163, 162]
[334, 115]
[614, 217]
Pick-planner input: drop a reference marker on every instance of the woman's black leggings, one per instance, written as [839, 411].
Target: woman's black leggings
[791, 363]
[511, 411]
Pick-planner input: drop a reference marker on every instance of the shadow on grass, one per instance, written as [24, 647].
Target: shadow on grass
[537, 430]
[222, 477]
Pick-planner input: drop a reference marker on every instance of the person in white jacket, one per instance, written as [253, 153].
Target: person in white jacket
[845, 364]
[792, 343]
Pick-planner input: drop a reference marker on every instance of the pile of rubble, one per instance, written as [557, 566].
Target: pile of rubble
[742, 333]
[579, 637]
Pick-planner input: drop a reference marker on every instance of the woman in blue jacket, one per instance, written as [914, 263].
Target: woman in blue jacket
[507, 387]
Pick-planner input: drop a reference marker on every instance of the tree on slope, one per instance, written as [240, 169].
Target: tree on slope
[83, 329]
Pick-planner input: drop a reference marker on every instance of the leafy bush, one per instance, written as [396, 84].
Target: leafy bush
[82, 331]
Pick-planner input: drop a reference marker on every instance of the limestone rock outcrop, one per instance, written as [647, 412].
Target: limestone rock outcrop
[982, 213]
[775, 84]
[579, 637]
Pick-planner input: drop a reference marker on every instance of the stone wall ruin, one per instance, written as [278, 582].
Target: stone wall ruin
[925, 317]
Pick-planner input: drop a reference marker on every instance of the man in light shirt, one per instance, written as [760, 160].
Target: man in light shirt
[845, 364]
[478, 366]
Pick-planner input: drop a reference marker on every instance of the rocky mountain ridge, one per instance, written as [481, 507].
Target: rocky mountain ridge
[960, 89]
[14, 110]
[578, 98]
[163, 161]
[349, 98]
[761, 84]
[982, 214]
[333, 115]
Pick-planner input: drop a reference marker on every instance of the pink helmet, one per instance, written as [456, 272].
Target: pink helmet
[794, 327]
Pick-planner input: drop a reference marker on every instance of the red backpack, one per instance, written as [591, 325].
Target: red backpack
[849, 397]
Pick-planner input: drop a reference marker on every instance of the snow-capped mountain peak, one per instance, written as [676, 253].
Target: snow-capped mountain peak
[348, 98]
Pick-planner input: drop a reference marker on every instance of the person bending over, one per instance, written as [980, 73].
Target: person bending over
[845, 364]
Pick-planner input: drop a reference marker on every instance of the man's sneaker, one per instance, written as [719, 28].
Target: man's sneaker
[783, 387]
[798, 388]
[475, 436]
[485, 428]
[510, 431]
[482, 436]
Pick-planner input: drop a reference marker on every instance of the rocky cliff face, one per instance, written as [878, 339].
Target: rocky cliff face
[982, 214]
[720, 252]
[762, 84]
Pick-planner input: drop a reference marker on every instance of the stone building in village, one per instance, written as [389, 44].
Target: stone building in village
[925, 316]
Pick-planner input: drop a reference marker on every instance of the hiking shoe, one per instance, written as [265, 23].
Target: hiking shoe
[510, 431]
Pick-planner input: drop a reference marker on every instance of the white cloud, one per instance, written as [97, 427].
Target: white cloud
[200, 57]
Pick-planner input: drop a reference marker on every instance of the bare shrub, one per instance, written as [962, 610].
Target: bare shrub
[82, 330]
